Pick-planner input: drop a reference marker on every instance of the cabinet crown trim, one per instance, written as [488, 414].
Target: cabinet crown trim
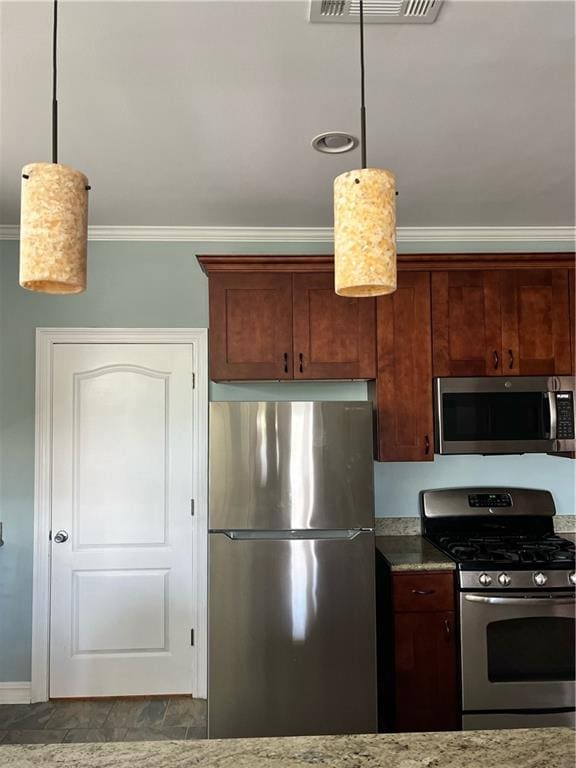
[406, 262]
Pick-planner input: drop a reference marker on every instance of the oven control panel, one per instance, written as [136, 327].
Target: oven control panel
[489, 500]
[539, 579]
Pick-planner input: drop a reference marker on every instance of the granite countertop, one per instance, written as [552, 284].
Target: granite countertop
[412, 553]
[534, 748]
[399, 540]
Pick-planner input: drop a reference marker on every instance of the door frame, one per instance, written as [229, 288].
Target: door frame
[46, 338]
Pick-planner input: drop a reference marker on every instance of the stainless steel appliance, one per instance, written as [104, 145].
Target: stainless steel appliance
[517, 604]
[495, 414]
[291, 547]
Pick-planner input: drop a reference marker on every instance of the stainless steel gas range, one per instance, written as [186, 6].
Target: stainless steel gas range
[517, 603]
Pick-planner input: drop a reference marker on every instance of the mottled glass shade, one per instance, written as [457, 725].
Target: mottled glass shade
[365, 232]
[53, 228]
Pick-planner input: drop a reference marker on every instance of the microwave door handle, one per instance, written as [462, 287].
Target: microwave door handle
[553, 416]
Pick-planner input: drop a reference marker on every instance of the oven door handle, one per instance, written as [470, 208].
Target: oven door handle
[550, 599]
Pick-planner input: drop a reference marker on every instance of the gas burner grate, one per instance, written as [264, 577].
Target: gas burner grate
[527, 550]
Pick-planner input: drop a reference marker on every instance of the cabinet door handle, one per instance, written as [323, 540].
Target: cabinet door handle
[510, 359]
[423, 591]
[426, 445]
[447, 629]
[301, 359]
[285, 362]
[496, 360]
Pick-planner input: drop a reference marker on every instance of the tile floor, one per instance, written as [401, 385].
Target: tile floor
[103, 720]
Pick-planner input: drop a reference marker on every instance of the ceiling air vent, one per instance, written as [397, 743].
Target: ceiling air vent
[375, 11]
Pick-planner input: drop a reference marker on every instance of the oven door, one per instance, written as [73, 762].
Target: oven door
[517, 650]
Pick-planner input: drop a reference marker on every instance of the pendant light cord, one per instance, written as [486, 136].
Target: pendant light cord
[54, 73]
[362, 89]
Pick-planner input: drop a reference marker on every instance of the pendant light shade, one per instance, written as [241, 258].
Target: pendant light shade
[53, 215]
[364, 219]
[53, 228]
[365, 232]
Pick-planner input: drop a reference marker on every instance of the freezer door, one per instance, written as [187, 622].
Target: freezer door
[292, 636]
[283, 466]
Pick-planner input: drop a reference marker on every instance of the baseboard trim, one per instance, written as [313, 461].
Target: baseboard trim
[14, 693]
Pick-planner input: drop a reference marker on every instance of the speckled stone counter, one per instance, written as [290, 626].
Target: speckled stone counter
[410, 526]
[549, 747]
[412, 553]
[398, 526]
[565, 524]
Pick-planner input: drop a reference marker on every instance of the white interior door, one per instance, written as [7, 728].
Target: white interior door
[122, 483]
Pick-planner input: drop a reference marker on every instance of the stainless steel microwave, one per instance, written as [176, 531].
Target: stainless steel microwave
[495, 414]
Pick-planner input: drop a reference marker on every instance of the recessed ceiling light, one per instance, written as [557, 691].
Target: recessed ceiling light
[334, 142]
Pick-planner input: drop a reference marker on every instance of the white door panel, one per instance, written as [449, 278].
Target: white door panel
[122, 599]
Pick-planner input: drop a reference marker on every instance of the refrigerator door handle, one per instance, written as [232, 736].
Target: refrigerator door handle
[336, 534]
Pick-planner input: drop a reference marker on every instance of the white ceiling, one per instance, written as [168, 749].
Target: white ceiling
[201, 113]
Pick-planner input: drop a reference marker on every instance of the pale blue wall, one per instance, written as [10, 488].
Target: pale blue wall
[161, 285]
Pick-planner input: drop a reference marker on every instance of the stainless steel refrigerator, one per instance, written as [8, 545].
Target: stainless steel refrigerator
[291, 548]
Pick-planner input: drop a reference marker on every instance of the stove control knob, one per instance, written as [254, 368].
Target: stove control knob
[572, 578]
[504, 579]
[485, 579]
[540, 579]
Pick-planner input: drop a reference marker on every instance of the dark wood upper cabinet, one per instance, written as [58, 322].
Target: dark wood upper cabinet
[403, 388]
[571, 282]
[250, 326]
[466, 323]
[278, 317]
[501, 322]
[334, 337]
[280, 325]
[536, 322]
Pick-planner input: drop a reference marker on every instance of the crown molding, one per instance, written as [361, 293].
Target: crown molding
[406, 235]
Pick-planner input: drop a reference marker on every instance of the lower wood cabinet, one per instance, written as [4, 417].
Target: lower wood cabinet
[426, 671]
[418, 652]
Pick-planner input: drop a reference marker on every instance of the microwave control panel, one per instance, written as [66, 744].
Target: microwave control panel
[564, 416]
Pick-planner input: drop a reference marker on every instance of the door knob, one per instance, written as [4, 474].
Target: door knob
[61, 537]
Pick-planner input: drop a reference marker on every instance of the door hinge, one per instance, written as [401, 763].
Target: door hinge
[50, 536]
[191, 637]
[193, 380]
[192, 507]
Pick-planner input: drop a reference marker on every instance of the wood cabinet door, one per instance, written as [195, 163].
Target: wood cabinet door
[466, 323]
[250, 326]
[536, 322]
[571, 282]
[334, 336]
[404, 378]
[426, 667]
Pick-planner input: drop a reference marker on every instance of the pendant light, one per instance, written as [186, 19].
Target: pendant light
[364, 220]
[54, 215]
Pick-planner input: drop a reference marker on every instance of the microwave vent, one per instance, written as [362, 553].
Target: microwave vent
[375, 11]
